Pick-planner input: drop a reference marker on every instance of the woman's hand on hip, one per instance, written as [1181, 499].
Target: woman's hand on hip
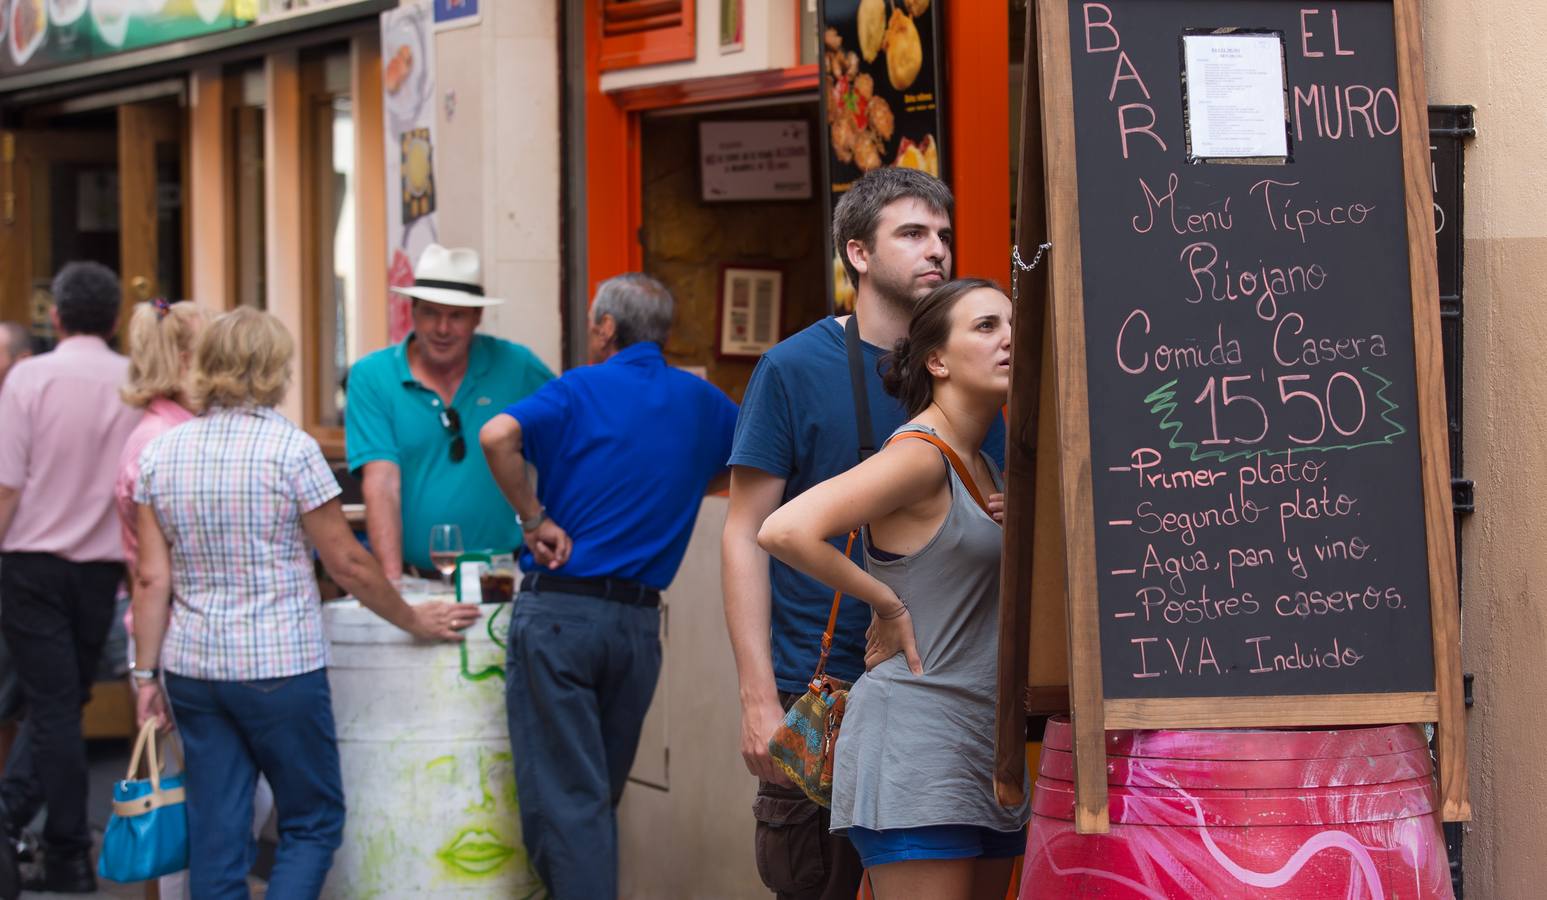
[438, 621]
[890, 635]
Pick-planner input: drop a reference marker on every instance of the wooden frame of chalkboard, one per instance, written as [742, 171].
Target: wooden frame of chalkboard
[1423, 685]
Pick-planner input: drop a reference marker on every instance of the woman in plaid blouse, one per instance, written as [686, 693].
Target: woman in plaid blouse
[226, 601]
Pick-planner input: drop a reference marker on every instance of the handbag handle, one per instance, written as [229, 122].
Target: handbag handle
[832, 616]
[147, 739]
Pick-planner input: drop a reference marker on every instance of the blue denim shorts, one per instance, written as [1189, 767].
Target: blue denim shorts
[935, 842]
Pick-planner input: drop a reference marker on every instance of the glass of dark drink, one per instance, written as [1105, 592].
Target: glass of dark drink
[497, 585]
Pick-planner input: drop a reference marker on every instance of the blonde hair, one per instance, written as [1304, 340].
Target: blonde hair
[156, 346]
[243, 359]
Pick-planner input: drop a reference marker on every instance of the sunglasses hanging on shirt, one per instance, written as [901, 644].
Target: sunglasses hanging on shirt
[453, 425]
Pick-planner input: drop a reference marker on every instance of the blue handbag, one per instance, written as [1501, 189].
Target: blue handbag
[147, 837]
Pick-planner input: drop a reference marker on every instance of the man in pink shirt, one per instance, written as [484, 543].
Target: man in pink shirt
[15, 346]
[61, 560]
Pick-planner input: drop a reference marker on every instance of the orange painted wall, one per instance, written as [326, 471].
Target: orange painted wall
[977, 64]
[612, 170]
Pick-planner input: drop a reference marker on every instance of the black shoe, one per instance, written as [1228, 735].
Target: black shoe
[26, 842]
[10, 875]
[62, 874]
[10, 869]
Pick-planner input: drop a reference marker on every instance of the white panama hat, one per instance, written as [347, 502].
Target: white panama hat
[450, 276]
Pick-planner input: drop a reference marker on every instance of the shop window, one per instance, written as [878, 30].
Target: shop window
[645, 32]
[248, 173]
[331, 309]
[808, 34]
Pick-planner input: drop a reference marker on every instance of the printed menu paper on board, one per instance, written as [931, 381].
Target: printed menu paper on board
[1235, 95]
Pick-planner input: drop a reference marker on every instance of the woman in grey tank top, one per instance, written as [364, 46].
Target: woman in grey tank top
[913, 770]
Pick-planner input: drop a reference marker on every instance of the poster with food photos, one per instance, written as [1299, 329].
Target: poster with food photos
[408, 88]
[882, 97]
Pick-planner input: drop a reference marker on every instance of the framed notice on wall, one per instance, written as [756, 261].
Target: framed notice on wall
[751, 307]
[761, 160]
[1252, 484]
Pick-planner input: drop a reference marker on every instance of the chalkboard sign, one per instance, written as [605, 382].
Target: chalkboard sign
[1249, 349]
[1255, 490]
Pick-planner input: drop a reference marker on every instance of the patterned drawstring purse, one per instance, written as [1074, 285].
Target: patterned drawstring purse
[802, 746]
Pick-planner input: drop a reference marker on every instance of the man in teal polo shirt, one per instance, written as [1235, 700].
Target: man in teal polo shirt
[414, 411]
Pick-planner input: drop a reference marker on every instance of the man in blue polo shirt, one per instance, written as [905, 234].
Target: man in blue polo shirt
[625, 451]
[414, 411]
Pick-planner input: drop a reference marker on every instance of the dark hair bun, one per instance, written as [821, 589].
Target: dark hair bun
[894, 368]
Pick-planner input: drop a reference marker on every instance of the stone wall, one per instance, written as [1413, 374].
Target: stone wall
[687, 241]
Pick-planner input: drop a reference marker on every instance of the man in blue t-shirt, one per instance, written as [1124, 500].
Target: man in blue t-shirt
[625, 451]
[798, 428]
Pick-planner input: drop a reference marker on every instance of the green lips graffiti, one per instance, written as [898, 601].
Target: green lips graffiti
[476, 852]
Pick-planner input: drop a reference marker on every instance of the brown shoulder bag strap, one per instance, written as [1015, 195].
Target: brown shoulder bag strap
[950, 455]
[832, 624]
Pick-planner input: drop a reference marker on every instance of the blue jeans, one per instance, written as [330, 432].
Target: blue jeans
[580, 673]
[231, 731]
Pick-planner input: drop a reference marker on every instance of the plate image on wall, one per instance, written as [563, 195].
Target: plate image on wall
[209, 10]
[112, 20]
[29, 25]
[404, 77]
[64, 12]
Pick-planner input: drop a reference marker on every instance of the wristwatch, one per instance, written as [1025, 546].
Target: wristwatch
[530, 524]
[143, 674]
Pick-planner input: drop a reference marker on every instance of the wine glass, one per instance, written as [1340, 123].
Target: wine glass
[445, 547]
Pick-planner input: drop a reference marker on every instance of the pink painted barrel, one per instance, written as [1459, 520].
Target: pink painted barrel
[1346, 813]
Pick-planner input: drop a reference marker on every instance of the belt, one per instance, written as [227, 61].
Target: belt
[619, 590]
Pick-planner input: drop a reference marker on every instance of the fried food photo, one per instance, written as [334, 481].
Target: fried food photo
[843, 134]
[872, 27]
[867, 153]
[916, 8]
[880, 115]
[922, 155]
[904, 51]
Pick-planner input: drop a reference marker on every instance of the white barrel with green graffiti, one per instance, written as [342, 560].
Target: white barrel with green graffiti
[425, 752]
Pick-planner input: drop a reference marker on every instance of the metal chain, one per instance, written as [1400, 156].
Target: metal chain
[1015, 257]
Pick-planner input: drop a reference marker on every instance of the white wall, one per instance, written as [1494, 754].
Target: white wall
[1491, 55]
[498, 169]
[685, 827]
